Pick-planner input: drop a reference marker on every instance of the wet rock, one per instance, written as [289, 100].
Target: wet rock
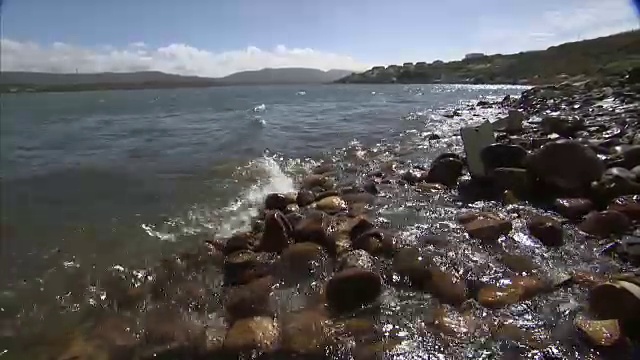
[358, 226]
[252, 299]
[503, 156]
[239, 242]
[370, 187]
[563, 126]
[323, 168]
[627, 205]
[252, 335]
[317, 181]
[573, 208]
[511, 332]
[514, 179]
[277, 231]
[616, 182]
[586, 279]
[605, 223]
[413, 176]
[433, 137]
[422, 273]
[331, 205]
[636, 172]
[600, 332]
[518, 263]
[631, 156]
[355, 285]
[567, 165]
[451, 323]
[625, 307]
[305, 197]
[302, 258]
[375, 242]
[486, 227]
[314, 228]
[445, 171]
[242, 267]
[359, 198]
[547, 230]
[170, 334]
[82, 348]
[629, 249]
[519, 289]
[277, 201]
[326, 194]
[306, 333]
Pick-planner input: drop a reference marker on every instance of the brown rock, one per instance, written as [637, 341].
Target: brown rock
[170, 333]
[253, 299]
[277, 231]
[625, 307]
[547, 230]
[587, 279]
[445, 171]
[256, 334]
[305, 197]
[238, 242]
[320, 181]
[445, 287]
[567, 165]
[605, 223]
[323, 168]
[306, 333]
[353, 288]
[277, 201]
[331, 205]
[573, 209]
[242, 267]
[600, 332]
[514, 179]
[301, 258]
[485, 226]
[314, 228]
[627, 205]
[521, 288]
[518, 263]
[451, 323]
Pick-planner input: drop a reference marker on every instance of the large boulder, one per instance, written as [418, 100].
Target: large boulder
[618, 299]
[277, 201]
[567, 166]
[503, 156]
[242, 267]
[315, 228]
[600, 332]
[513, 179]
[306, 333]
[331, 204]
[616, 181]
[564, 126]
[305, 197]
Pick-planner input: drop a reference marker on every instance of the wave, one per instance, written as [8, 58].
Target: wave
[237, 215]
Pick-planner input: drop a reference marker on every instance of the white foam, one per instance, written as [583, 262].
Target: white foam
[237, 216]
[260, 108]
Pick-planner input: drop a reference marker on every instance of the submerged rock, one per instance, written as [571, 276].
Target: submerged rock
[252, 299]
[627, 205]
[256, 334]
[519, 289]
[547, 230]
[486, 227]
[625, 307]
[600, 332]
[306, 333]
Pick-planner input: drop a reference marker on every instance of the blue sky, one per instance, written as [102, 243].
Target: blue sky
[206, 37]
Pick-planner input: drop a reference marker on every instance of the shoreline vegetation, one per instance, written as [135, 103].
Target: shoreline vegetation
[601, 57]
[566, 161]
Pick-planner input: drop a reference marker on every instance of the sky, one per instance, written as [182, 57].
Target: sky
[219, 37]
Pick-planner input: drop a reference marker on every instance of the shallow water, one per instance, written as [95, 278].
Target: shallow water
[94, 179]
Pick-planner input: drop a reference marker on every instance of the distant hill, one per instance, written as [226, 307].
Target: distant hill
[285, 76]
[606, 55]
[13, 81]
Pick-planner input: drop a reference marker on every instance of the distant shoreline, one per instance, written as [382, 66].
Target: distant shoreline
[30, 89]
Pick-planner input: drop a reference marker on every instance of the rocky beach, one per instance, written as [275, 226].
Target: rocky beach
[537, 258]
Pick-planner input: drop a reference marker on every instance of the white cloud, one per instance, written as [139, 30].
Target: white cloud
[175, 58]
[566, 21]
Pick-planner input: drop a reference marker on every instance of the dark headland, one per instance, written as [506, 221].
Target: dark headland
[603, 56]
[16, 82]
